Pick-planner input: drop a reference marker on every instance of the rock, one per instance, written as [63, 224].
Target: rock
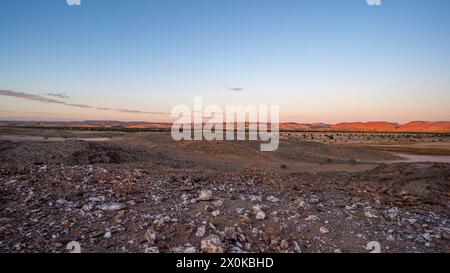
[205, 195]
[323, 230]
[150, 250]
[119, 217]
[339, 204]
[320, 207]
[159, 222]
[184, 249]
[273, 199]
[209, 209]
[150, 236]
[256, 208]
[297, 248]
[284, 245]
[58, 245]
[217, 203]
[87, 207]
[216, 213]
[312, 218]
[212, 244]
[112, 207]
[255, 198]
[200, 231]
[392, 213]
[178, 249]
[18, 247]
[61, 202]
[303, 205]
[446, 235]
[108, 235]
[190, 249]
[404, 192]
[369, 214]
[236, 249]
[260, 215]
[427, 236]
[230, 233]
[245, 218]
[97, 199]
[255, 232]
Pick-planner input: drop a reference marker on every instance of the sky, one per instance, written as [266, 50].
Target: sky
[319, 60]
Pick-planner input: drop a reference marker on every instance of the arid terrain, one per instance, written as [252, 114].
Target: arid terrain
[115, 191]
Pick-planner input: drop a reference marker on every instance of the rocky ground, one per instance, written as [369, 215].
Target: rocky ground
[114, 197]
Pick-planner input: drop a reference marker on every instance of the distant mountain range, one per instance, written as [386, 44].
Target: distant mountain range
[378, 126]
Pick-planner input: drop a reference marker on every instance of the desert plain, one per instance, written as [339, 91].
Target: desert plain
[141, 191]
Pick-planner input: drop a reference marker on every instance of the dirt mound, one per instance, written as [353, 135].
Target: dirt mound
[74, 153]
[37, 152]
[98, 154]
[403, 184]
[6, 145]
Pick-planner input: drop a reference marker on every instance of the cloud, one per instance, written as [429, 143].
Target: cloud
[58, 95]
[27, 96]
[42, 99]
[374, 2]
[236, 89]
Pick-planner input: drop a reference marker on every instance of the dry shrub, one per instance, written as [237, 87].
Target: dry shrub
[417, 189]
[128, 184]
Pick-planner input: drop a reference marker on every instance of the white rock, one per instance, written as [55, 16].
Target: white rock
[200, 231]
[217, 203]
[312, 218]
[324, 230]
[273, 199]
[260, 215]
[205, 195]
[150, 250]
[87, 207]
[190, 249]
[369, 214]
[256, 208]
[112, 207]
[303, 205]
[150, 236]
[97, 199]
[255, 198]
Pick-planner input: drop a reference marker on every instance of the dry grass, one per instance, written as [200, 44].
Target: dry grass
[417, 189]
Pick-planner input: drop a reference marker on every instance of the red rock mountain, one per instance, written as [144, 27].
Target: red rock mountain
[377, 126]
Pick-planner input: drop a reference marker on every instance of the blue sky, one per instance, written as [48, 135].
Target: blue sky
[320, 60]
